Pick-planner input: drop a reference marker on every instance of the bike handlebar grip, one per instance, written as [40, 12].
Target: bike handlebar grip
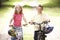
[32, 22]
[11, 25]
[45, 22]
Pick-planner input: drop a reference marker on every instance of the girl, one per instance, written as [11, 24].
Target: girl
[17, 18]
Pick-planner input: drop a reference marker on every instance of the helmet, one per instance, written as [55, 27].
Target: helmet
[12, 32]
[47, 29]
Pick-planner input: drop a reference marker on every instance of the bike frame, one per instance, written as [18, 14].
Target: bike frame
[41, 34]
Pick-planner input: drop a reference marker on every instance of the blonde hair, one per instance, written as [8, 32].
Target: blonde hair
[16, 10]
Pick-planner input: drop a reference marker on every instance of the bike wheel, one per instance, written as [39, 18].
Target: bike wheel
[41, 36]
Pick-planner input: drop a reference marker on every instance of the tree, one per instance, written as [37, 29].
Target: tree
[1, 1]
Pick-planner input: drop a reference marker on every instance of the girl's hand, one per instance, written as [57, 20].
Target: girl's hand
[10, 25]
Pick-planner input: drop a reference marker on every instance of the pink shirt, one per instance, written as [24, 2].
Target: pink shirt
[17, 20]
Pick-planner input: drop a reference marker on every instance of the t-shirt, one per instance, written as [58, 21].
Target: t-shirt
[38, 19]
[17, 20]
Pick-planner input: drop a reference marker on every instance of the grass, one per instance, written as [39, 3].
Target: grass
[52, 11]
[3, 10]
[49, 8]
[52, 4]
[28, 37]
[11, 2]
[27, 6]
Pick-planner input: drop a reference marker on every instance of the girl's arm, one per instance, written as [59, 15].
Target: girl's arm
[11, 20]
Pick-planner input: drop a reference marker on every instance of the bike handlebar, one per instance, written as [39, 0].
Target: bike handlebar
[44, 22]
[22, 25]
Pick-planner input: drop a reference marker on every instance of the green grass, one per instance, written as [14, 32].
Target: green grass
[52, 4]
[48, 10]
[11, 2]
[28, 37]
[3, 10]
[52, 11]
[27, 6]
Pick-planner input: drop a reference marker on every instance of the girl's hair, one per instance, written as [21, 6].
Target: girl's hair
[15, 12]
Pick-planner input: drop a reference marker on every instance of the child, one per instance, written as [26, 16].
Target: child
[40, 17]
[17, 18]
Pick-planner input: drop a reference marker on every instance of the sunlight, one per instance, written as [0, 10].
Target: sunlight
[19, 3]
[31, 3]
[43, 2]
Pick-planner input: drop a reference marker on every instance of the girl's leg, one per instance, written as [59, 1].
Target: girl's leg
[19, 33]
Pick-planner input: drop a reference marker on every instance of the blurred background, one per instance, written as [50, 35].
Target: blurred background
[51, 7]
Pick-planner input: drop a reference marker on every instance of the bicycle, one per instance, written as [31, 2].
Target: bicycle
[13, 33]
[42, 32]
